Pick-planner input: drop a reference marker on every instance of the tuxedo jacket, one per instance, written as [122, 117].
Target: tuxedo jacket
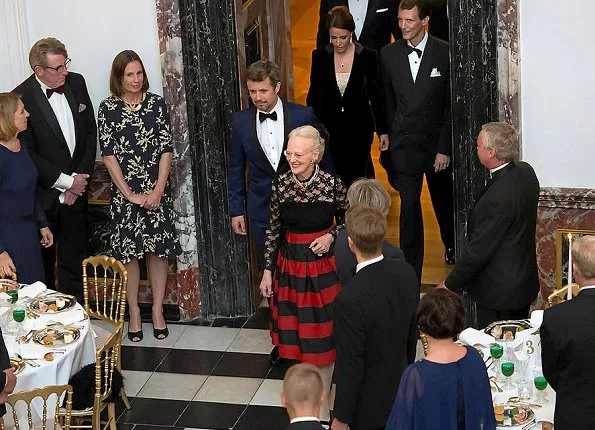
[567, 356]
[44, 138]
[245, 147]
[418, 113]
[305, 425]
[498, 263]
[4, 364]
[380, 23]
[360, 108]
[346, 261]
[375, 336]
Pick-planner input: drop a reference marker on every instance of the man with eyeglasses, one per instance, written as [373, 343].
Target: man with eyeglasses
[62, 139]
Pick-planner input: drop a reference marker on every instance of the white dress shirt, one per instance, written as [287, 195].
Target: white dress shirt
[271, 134]
[414, 59]
[358, 9]
[495, 169]
[363, 264]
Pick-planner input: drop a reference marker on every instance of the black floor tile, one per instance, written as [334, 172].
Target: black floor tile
[142, 358]
[207, 415]
[243, 365]
[127, 426]
[142, 427]
[154, 412]
[237, 322]
[263, 417]
[261, 319]
[190, 361]
[278, 369]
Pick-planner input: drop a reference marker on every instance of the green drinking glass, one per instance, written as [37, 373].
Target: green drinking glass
[14, 295]
[541, 384]
[508, 371]
[497, 351]
[18, 313]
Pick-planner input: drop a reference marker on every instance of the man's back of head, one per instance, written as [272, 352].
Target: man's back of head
[366, 229]
[303, 392]
[583, 258]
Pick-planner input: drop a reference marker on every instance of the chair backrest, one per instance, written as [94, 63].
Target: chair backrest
[15, 399]
[106, 360]
[560, 295]
[104, 286]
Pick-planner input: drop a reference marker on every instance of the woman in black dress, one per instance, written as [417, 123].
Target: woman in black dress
[137, 150]
[345, 95]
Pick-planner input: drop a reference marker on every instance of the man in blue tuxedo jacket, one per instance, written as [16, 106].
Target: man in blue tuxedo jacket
[259, 137]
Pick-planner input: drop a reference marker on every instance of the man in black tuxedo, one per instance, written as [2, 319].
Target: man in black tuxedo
[303, 396]
[497, 267]
[415, 75]
[62, 141]
[8, 379]
[568, 345]
[375, 328]
[375, 22]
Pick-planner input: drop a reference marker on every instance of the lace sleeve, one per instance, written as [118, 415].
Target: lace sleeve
[273, 234]
[341, 205]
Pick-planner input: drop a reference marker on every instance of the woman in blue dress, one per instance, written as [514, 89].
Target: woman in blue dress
[23, 224]
[449, 389]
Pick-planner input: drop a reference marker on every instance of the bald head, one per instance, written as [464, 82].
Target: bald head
[302, 388]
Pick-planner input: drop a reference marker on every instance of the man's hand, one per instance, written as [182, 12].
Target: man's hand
[383, 142]
[266, 283]
[7, 267]
[47, 238]
[442, 162]
[238, 224]
[69, 197]
[153, 200]
[11, 380]
[79, 184]
[339, 425]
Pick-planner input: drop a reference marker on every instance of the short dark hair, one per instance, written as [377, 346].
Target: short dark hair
[9, 102]
[441, 314]
[366, 227]
[119, 66]
[423, 8]
[261, 70]
[340, 17]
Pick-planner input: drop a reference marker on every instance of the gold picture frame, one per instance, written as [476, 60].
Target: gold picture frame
[562, 253]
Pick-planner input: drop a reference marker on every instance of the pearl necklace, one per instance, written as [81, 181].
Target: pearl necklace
[306, 184]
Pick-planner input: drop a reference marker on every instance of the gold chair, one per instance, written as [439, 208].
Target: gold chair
[560, 295]
[106, 360]
[105, 280]
[62, 415]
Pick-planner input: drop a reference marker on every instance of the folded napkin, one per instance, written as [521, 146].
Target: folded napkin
[32, 350]
[536, 318]
[33, 290]
[72, 316]
[471, 337]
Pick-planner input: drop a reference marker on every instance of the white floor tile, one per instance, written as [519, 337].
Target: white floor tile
[207, 338]
[225, 389]
[252, 340]
[175, 331]
[173, 386]
[134, 381]
[269, 393]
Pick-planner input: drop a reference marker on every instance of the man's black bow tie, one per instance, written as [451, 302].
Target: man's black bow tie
[411, 49]
[262, 116]
[50, 91]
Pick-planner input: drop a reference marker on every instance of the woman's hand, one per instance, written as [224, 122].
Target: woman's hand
[138, 199]
[47, 238]
[322, 244]
[153, 199]
[7, 267]
[266, 284]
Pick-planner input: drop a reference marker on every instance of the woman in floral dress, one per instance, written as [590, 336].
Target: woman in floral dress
[137, 150]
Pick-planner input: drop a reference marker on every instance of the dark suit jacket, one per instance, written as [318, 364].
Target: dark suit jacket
[567, 355]
[44, 138]
[346, 261]
[305, 425]
[381, 22]
[246, 147]
[360, 109]
[4, 364]
[498, 263]
[418, 113]
[375, 335]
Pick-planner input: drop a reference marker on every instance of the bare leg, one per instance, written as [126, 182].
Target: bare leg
[158, 275]
[327, 376]
[133, 270]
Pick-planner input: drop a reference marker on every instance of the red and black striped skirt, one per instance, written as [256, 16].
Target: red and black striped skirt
[304, 289]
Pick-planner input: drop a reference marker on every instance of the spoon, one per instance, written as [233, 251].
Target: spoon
[49, 356]
[517, 400]
[493, 381]
[24, 339]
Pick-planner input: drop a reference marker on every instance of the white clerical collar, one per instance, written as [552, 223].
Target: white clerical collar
[278, 107]
[421, 45]
[363, 264]
[495, 169]
[301, 419]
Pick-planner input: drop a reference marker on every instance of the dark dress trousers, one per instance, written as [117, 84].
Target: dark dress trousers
[50, 153]
[498, 264]
[351, 118]
[380, 23]
[4, 364]
[567, 356]
[375, 336]
[346, 261]
[305, 425]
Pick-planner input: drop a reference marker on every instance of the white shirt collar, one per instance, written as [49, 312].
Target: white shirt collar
[495, 169]
[421, 45]
[363, 264]
[587, 287]
[44, 87]
[301, 419]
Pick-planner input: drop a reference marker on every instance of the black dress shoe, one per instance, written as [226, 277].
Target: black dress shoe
[449, 256]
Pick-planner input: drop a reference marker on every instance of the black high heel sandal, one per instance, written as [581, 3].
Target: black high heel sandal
[135, 336]
[160, 332]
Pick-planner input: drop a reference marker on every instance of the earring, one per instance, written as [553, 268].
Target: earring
[424, 342]
[311, 162]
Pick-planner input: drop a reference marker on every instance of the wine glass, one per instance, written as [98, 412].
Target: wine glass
[496, 351]
[541, 384]
[18, 313]
[508, 371]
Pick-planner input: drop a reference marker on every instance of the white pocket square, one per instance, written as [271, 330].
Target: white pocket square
[82, 107]
[435, 73]
[382, 10]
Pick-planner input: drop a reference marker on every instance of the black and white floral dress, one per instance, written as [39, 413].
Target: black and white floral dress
[137, 140]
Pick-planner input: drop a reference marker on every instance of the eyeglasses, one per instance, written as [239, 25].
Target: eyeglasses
[61, 67]
[297, 155]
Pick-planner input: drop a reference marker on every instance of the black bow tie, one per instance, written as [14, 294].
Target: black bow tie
[411, 49]
[50, 91]
[262, 116]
